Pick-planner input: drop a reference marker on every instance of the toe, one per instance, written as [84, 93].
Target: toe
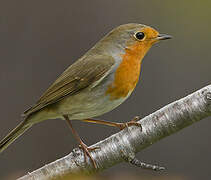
[93, 148]
[135, 124]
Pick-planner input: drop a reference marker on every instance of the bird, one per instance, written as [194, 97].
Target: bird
[99, 81]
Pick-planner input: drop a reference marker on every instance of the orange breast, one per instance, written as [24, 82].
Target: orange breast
[127, 74]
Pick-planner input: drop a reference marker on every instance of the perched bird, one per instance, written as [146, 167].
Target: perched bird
[96, 83]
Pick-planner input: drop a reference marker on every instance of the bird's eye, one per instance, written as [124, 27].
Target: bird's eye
[139, 35]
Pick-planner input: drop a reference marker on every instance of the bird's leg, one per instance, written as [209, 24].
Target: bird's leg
[121, 126]
[83, 146]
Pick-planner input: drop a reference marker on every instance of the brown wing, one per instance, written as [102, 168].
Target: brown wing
[81, 74]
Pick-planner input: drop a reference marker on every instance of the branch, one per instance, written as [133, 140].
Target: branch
[125, 144]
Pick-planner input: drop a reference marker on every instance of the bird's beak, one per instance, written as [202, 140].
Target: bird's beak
[163, 37]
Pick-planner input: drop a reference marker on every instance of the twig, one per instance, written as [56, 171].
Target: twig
[123, 145]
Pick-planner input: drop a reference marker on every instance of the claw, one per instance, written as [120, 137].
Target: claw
[136, 118]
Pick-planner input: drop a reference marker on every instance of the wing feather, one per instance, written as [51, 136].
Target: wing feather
[80, 75]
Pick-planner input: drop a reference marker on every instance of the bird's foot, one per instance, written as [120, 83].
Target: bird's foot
[87, 151]
[133, 122]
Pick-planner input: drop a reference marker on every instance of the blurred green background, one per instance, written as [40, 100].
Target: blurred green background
[39, 39]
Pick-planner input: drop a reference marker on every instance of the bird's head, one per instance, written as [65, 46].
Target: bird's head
[134, 38]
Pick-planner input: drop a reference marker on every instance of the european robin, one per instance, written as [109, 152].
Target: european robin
[96, 83]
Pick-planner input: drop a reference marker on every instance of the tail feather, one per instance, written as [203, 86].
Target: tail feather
[14, 134]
